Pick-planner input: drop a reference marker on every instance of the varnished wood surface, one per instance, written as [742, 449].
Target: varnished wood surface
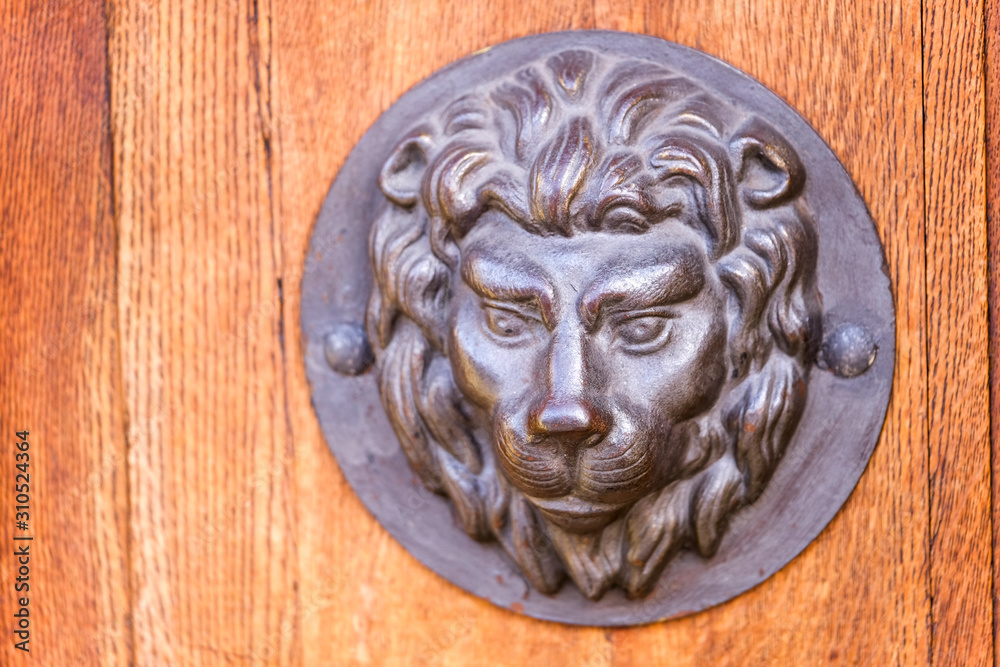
[213, 525]
[992, 90]
[957, 334]
[60, 377]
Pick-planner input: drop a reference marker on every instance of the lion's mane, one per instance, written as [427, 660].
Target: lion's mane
[555, 147]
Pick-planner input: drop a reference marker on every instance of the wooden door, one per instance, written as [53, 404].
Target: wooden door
[162, 166]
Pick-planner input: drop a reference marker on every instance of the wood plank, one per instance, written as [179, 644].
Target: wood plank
[957, 333]
[854, 71]
[339, 68]
[212, 511]
[59, 342]
[992, 93]
[248, 546]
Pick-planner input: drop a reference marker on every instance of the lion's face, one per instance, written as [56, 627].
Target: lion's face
[589, 354]
[594, 313]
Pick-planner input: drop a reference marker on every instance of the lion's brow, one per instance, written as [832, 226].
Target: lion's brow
[672, 280]
[493, 278]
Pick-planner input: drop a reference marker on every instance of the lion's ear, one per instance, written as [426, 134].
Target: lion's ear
[769, 170]
[403, 172]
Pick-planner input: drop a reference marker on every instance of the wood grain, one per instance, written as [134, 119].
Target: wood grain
[992, 94]
[59, 345]
[957, 333]
[854, 71]
[214, 565]
[164, 165]
[379, 605]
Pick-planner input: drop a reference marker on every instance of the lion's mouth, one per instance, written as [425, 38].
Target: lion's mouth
[571, 481]
[575, 514]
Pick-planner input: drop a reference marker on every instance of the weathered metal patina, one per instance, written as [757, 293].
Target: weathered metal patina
[598, 327]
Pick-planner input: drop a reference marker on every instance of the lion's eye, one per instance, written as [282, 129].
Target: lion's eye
[506, 323]
[644, 333]
[625, 219]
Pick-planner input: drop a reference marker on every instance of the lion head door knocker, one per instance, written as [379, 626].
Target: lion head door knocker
[598, 328]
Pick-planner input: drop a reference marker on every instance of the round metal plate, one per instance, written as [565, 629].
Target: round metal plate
[827, 455]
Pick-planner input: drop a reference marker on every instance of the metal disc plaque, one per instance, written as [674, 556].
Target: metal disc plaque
[598, 327]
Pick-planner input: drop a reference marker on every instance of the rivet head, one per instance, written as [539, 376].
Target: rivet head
[347, 349]
[849, 350]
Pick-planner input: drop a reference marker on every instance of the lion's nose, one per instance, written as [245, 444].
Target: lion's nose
[565, 410]
[562, 417]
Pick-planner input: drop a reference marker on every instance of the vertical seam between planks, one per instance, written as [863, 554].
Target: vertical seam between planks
[929, 579]
[984, 60]
[108, 10]
[253, 53]
[991, 305]
[269, 128]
